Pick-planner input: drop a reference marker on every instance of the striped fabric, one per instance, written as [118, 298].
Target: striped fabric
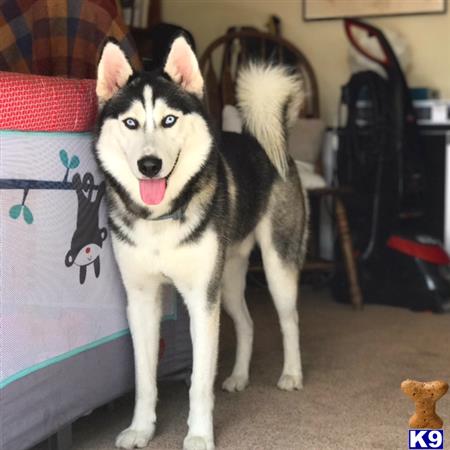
[59, 37]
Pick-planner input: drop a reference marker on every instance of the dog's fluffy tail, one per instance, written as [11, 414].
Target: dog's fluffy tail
[269, 98]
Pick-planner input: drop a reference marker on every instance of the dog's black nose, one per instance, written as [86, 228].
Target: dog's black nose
[149, 165]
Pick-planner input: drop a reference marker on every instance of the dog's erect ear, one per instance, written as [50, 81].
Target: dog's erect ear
[182, 67]
[113, 71]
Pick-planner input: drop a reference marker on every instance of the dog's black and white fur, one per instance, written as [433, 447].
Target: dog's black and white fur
[223, 194]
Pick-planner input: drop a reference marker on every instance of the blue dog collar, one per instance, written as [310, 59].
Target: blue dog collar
[176, 215]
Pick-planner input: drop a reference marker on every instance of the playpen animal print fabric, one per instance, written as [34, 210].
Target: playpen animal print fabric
[61, 290]
[26, 195]
[49, 37]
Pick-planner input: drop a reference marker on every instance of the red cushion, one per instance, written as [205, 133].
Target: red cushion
[40, 103]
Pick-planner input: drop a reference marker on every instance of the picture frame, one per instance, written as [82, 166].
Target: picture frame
[315, 10]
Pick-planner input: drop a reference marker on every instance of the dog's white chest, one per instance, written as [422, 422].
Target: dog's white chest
[161, 249]
[157, 243]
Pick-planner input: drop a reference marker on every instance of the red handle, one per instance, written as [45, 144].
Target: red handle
[371, 31]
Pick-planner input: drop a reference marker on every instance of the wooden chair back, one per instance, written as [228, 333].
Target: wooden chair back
[221, 60]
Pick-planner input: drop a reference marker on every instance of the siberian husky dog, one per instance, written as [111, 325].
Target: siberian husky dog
[187, 205]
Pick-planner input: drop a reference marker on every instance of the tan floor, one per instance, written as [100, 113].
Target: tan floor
[353, 365]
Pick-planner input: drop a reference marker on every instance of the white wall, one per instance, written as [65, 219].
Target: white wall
[324, 43]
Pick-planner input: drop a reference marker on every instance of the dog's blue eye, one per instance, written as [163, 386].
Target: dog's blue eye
[169, 121]
[130, 123]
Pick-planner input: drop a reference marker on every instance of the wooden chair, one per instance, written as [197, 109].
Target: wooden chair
[220, 63]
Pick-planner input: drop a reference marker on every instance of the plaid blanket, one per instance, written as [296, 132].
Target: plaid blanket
[59, 37]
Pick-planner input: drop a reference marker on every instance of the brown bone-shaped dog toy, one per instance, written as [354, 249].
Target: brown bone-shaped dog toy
[425, 396]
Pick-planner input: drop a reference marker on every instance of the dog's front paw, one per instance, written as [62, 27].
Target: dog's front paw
[235, 383]
[198, 443]
[290, 382]
[131, 438]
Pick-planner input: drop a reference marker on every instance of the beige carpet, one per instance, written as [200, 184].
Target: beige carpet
[353, 365]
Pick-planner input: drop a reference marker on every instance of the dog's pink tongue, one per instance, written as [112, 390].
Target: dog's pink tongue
[152, 191]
